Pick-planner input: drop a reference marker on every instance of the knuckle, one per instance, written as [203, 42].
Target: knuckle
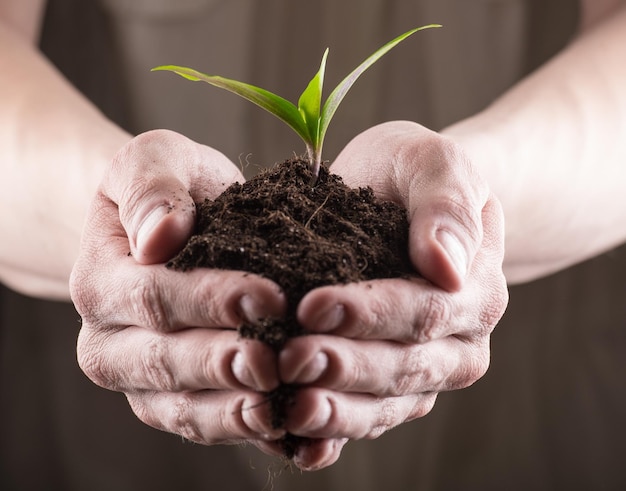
[146, 302]
[156, 365]
[83, 294]
[160, 411]
[473, 368]
[417, 372]
[424, 405]
[492, 312]
[396, 410]
[500, 299]
[182, 421]
[386, 418]
[434, 318]
[91, 361]
[490, 309]
[476, 369]
[153, 142]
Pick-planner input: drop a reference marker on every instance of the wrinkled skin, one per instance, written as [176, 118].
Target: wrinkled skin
[386, 348]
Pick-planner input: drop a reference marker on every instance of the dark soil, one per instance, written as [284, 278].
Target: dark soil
[301, 235]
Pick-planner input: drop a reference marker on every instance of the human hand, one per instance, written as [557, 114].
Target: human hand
[167, 339]
[386, 348]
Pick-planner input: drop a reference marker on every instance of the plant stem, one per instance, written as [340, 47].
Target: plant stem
[315, 160]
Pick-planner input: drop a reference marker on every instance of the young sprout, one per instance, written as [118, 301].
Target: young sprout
[309, 119]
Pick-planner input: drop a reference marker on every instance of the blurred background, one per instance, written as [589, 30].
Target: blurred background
[549, 413]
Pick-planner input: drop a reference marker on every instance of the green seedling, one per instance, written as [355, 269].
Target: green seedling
[309, 119]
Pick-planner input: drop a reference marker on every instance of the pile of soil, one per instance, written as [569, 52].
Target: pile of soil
[302, 233]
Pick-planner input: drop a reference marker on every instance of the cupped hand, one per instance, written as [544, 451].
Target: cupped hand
[386, 348]
[167, 339]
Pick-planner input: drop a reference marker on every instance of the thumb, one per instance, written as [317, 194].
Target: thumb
[159, 222]
[443, 240]
[154, 180]
[446, 217]
[431, 176]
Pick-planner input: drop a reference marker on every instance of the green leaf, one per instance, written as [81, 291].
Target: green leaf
[337, 95]
[309, 119]
[279, 107]
[310, 102]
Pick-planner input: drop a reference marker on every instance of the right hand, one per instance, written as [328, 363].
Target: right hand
[385, 348]
[168, 339]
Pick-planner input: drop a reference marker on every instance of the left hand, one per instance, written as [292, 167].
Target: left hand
[164, 338]
[386, 348]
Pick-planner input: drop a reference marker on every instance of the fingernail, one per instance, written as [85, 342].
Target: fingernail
[250, 309]
[149, 223]
[241, 370]
[455, 250]
[321, 418]
[313, 370]
[323, 454]
[330, 319]
[258, 422]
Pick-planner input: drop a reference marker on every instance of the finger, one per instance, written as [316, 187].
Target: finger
[408, 311]
[384, 369]
[312, 455]
[319, 453]
[154, 181]
[320, 413]
[163, 300]
[194, 359]
[207, 417]
[446, 227]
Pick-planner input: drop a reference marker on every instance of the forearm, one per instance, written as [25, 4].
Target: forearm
[55, 145]
[553, 150]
